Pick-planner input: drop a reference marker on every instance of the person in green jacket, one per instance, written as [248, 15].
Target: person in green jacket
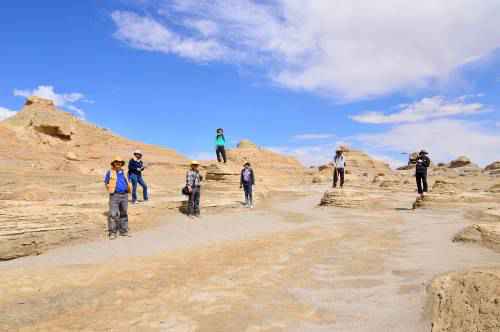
[220, 142]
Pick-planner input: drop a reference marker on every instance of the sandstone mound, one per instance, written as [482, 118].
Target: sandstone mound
[223, 173]
[466, 301]
[54, 136]
[493, 168]
[347, 198]
[271, 168]
[360, 163]
[461, 161]
[246, 144]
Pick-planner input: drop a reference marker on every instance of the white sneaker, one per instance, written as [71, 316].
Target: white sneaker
[251, 206]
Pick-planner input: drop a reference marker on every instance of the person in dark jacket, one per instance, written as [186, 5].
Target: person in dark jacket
[422, 162]
[220, 142]
[247, 181]
[135, 169]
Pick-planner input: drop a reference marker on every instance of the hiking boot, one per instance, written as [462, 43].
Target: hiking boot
[125, 234]
[112, 236]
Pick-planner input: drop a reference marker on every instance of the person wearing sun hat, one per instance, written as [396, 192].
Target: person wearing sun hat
[118, 187]
[338, 167]
[193, 185]
[135, 169]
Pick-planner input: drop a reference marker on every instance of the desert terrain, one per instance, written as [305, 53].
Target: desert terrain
[368, 257]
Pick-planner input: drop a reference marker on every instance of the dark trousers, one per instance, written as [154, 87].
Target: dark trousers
[247, 187]
[118, 217]
[221, 153]
[194, 202]
[137, 179]
[421, 183]
[338, 172]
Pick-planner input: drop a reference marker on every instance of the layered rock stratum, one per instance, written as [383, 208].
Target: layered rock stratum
[52, 169]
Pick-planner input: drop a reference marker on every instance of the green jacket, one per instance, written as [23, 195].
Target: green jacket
[220, 140]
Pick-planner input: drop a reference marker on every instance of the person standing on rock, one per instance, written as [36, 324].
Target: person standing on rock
[135, 169]
[338, 168]
[421, 164]
[193, 184]
[118, 187]
[220, 142]
[247, 181]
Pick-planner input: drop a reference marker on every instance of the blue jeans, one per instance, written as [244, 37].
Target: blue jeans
[137, 179]
[247, 187]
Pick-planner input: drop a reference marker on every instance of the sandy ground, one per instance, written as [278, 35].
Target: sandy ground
[285, 266]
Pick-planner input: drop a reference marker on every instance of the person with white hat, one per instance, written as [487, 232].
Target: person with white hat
[135, 169]
[118, 187]
[339, 168]
[193, 185]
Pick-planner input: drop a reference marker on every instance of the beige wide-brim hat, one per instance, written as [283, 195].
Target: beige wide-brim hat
[194, 162]
[118, 159]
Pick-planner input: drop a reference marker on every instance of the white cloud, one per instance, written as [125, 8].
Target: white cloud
[6, 113]
[425, 109]
[309, 155]
[147, 34]
[352, 49]
[64, 100]
[313, 137]
[445, 139]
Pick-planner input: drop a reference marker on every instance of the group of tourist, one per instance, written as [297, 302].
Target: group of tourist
[119, 184]
[422, 162]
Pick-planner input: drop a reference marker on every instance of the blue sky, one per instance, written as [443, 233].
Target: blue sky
[300, 78]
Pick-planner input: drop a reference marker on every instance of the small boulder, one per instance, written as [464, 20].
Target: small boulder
[71, 156]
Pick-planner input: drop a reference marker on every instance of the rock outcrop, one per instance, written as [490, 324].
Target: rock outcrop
[52, 169]
[461, 161]
[349, 198]
[493, 168]
[466, 301]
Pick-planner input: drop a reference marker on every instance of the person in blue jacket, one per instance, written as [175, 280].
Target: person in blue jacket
[135, 169]
[220, 142]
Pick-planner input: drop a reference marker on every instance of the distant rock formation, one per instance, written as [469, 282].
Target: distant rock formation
[493, 168]
[461, 161]
[246, 144]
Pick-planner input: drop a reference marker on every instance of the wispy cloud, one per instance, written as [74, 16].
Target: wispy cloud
[6, 113]
[67, 101]
[445, 139]
[349, 49]
[148, 34]
[313, 137]
[425, 109]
